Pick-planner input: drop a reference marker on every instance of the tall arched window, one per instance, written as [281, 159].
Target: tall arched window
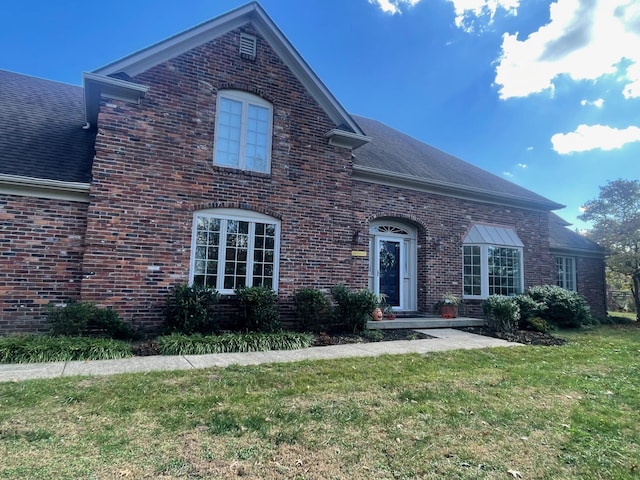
[243, 131]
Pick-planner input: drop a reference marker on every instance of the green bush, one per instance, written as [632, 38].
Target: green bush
[373, 335]
[259, 309]
[177, 344]
[86, 318]
[529, 308]
[312, 309]
[353, 309]
[501, 313]
[564, 308]
[41, 348]
[191, 309]
[536, 324]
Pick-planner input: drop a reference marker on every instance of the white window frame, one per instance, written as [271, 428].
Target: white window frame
[225, 215]
[564, 280]
[246, 100]
[484, 269]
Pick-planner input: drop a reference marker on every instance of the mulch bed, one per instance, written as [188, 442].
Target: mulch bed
[520, 336]
[150, 347]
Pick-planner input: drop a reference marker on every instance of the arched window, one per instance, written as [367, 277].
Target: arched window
[243, 131]
[234, 248]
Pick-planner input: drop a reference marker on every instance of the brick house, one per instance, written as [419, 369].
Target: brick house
[219, 157]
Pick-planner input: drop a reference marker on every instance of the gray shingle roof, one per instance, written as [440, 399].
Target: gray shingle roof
[394, 151]
[41, 130]
[562, 238]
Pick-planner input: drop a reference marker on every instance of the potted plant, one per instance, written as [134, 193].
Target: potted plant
[377, 314]
[383, 310]
[449, 306]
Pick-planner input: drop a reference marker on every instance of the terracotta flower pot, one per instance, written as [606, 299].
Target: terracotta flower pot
[448, 311]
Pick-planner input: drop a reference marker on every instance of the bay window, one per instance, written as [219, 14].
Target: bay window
[491, 262]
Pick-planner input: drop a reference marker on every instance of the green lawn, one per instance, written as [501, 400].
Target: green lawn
[570, 412]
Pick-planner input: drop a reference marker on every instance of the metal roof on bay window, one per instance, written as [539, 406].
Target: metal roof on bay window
[492, 235]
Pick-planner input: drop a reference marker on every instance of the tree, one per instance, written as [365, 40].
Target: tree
[615, 215]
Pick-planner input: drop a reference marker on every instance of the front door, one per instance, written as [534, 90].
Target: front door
[388, 275]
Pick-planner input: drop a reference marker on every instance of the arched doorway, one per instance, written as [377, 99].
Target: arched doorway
[392, 266]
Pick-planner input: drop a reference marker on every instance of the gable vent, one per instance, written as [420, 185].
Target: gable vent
[248, 46]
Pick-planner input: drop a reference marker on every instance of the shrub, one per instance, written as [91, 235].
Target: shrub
[86, 318]
[529, 308]
[312, 309]
[191, 309]
[259, 309]
[177, 344]
[70, 319]
[501, 312]
[353, 308]
[373, 335]
[536, 324]
[41, 348]
[564, 308]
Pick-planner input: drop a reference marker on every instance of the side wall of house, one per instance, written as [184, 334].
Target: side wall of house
[444, 221]
[591, 283]
[40, 258]
[154, 168]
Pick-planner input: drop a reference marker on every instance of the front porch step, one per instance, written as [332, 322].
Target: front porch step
[424, 322]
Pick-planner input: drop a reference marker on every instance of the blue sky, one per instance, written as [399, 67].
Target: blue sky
[545, 94]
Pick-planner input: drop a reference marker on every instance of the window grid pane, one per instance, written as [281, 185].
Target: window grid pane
[236, 254]
[472, 271]
[231, 253]
[566, 272]
[229, 131]
[504, 271]
[263, 254]
[206, 251]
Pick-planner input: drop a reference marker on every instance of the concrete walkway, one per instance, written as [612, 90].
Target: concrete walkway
[444, 339]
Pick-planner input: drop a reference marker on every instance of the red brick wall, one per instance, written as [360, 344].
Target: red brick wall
[447, 220]
[40, 258]
[591, 284]
[153, 169]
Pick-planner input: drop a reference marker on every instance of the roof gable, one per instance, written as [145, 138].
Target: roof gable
[347, 133]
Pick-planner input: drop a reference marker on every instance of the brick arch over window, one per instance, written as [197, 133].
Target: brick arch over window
[245, 87]
[402, 217]
[236, 205]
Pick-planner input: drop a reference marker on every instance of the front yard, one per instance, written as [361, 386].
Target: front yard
[569, 411]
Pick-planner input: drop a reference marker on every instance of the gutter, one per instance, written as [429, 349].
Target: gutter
[44, 188]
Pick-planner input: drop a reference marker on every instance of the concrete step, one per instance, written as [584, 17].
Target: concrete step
[425, 322]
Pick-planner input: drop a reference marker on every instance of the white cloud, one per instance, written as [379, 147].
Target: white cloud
[584, 39]
[468, 10]
[596, 103]
[507, 174]
[591, 137]
[523, 165]
[393, 6]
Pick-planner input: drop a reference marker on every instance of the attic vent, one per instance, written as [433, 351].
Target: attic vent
[248, 46]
